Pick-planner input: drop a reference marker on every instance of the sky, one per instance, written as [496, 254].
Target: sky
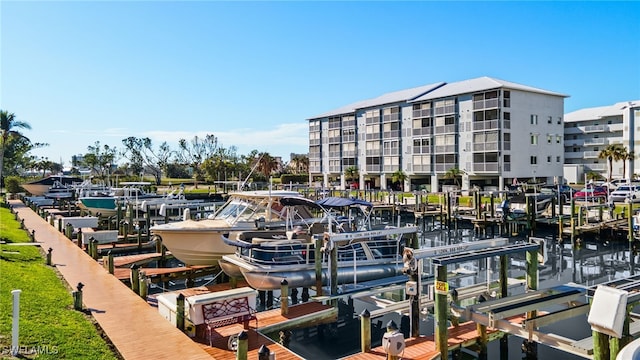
[253, 73]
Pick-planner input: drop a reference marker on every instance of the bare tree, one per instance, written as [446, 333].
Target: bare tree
[143, 156]
[195, 152]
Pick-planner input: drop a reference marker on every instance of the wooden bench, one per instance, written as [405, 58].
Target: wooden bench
[227, 312]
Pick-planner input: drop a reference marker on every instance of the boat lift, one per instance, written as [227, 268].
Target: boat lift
[517, 315]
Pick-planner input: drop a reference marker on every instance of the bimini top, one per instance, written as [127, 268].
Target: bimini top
[338, 202]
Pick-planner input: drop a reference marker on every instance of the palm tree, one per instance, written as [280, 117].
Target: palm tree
[399, 177]
[455, 174]
[611, 152]
[626, 155]
[351, 172]
[267, 164]
[8, 124]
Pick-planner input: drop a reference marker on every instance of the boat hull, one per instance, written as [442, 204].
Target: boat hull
[196, 242]
[270, 279]
[106, 206]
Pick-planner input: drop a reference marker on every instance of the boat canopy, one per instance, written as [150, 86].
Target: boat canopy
[299, 201]
[338, 202]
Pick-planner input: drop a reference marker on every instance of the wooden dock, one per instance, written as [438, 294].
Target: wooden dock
[136, 329]
[424, 347]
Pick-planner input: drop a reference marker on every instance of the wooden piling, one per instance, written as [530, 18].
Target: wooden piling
[49, 256]
[318, 263]
[135, 278]
[77, 297]
[365, 331]
[79, 238]
[441, 312]
[180, 312]
[243, 345]
[143, 284]
[111, 265]
[284, 297]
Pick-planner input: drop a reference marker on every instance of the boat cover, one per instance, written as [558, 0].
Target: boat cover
[337, 202]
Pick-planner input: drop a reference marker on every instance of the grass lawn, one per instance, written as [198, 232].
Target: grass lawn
[49, 326]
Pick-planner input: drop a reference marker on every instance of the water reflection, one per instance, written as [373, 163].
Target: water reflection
[595, 261]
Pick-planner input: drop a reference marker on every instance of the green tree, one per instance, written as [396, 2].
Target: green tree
[454, 174]
[398, 178]
[9, 129]
[299, 164]
[100, 159]
[266, 164]
[351, 173]
[626, 155]
[611, 152]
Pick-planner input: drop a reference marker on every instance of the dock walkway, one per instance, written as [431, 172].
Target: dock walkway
[136, 329]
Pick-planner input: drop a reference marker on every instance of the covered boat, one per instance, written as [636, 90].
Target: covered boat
[359, 253]
[199, 242]
[40, 187]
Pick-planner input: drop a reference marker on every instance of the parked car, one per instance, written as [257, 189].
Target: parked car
[626, 193]
[566, 191]
[591, 193]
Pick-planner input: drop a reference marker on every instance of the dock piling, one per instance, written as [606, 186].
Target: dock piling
[365, 331]
[243, 345]
[49, 256]
[180, 312]
[135, 278]
[264, 353]
[284, 297]
[77, 297]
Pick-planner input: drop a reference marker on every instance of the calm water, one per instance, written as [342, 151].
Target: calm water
[597, 261]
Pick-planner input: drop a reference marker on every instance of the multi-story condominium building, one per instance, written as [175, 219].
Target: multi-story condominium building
[493, 132]
[589, 131]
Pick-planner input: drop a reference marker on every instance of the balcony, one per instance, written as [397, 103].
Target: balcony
[444, 129]
[595, 128]
[486, 125]
[445, 149]
[313, 142]
[393, 151]
[444, 167]
[335, 169]
[486, 104]
[597, 167]
[334, 140]
[593, 142]
[391, 168]
[486, 147]
[421, 131]
[372, 152]
[373, 168]
[315, 169]
[449, 109]
[373, 136]
[485, 167]
[372, 120]
[421, 113]
[391, 117]
[590, 154]
[424, 168]
[391, 134]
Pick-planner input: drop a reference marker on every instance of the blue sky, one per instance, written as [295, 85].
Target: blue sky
[251, 73]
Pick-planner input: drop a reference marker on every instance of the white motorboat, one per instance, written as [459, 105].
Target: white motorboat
[365, 254]
[106, 204]
[199, 242]
[40, 187]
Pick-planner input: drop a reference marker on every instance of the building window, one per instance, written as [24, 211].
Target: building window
[507, 115]
[558, 139]
[549, 159]
[506, 99]
[549, 139]
[560, 120]
[534, 139]
[557, 159]
[550, 120]
[534, 119]
[534, 160]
